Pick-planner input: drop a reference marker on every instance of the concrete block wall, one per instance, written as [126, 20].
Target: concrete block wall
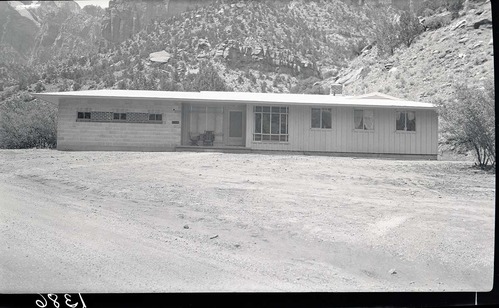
[117, 136]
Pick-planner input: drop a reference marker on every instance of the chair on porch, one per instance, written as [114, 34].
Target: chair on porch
[208, 138]
[194, 139]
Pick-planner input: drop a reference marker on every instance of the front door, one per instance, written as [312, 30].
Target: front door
[235, 128]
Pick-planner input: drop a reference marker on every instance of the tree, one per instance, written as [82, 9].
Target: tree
[468, 122]
[386, 33]
[206, 80]
[39, 87]
[410, 28]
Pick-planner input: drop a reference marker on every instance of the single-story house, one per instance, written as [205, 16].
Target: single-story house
[368, 125]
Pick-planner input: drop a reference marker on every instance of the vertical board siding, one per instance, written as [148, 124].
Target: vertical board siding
[342, 137]
[73, 135]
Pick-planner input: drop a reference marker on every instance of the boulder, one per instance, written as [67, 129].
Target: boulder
[160, 56]
[485, 21]
[463, 40]
[478, 44]
[388, 65]
[350, 77]
[459, 24]
[203, 44]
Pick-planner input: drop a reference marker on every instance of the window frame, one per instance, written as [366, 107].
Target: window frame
[363, 121]
[83, 115]
[269, 111]
[405, 131]
[321, 110]
[158, 117]
[86, 116]
[121, 116]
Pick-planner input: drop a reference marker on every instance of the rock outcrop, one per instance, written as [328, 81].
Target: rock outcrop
[124, 18]
[42, 28]
[253, 51]
[160, 56]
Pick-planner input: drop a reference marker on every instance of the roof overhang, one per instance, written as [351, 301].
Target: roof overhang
[214, 97]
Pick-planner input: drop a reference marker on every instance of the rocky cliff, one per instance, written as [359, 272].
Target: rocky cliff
[34, 31]
[125, 18]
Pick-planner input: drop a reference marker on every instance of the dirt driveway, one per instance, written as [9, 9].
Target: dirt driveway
[161, 222]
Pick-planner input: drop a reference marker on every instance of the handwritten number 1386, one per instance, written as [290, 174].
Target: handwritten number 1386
[53, 298]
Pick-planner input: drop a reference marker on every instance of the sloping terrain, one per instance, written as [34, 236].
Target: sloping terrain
[437, 61]
[163, 222]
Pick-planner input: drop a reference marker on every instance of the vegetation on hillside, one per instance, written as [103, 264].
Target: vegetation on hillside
[468, 122]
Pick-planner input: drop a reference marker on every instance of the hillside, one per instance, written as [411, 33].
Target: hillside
[254, 46]
[461, 51]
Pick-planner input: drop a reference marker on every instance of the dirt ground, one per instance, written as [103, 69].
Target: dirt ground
[162, 222]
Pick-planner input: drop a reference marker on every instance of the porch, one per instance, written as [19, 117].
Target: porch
[213, 126]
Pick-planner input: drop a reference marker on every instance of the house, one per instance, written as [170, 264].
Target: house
[368, 125]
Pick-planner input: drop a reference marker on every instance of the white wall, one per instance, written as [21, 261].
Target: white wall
[74, 135]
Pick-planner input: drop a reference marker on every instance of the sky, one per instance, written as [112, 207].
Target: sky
[101, 3]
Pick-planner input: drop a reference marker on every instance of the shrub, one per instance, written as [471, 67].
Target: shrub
[435, 22]
[386, 33]
[28, 124]
[410, 28]
[206, 80]
[309, 86]
[468, 122]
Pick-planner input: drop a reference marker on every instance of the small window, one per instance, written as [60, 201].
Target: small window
[406, 121]
[119, 116]
[155, 117]
[83, 115]
[363, 119]
[321, 118]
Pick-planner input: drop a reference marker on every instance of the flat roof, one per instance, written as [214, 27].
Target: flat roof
[211, 97]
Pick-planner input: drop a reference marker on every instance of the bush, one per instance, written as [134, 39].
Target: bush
[309, 86]
[386, 33]
[206, 80]
[410, 28]
[435, 22]
[468, 122]
[28, 124]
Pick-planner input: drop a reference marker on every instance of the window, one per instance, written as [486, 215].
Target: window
[271, 123]
[406, 121]
[119, 116]
[321, 117]
[84, 115]
[363, 119]
[155, 117]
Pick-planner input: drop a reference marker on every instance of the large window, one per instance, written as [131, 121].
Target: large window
[271, 123]
[406, 121]
[363, 119]
[321, 117]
